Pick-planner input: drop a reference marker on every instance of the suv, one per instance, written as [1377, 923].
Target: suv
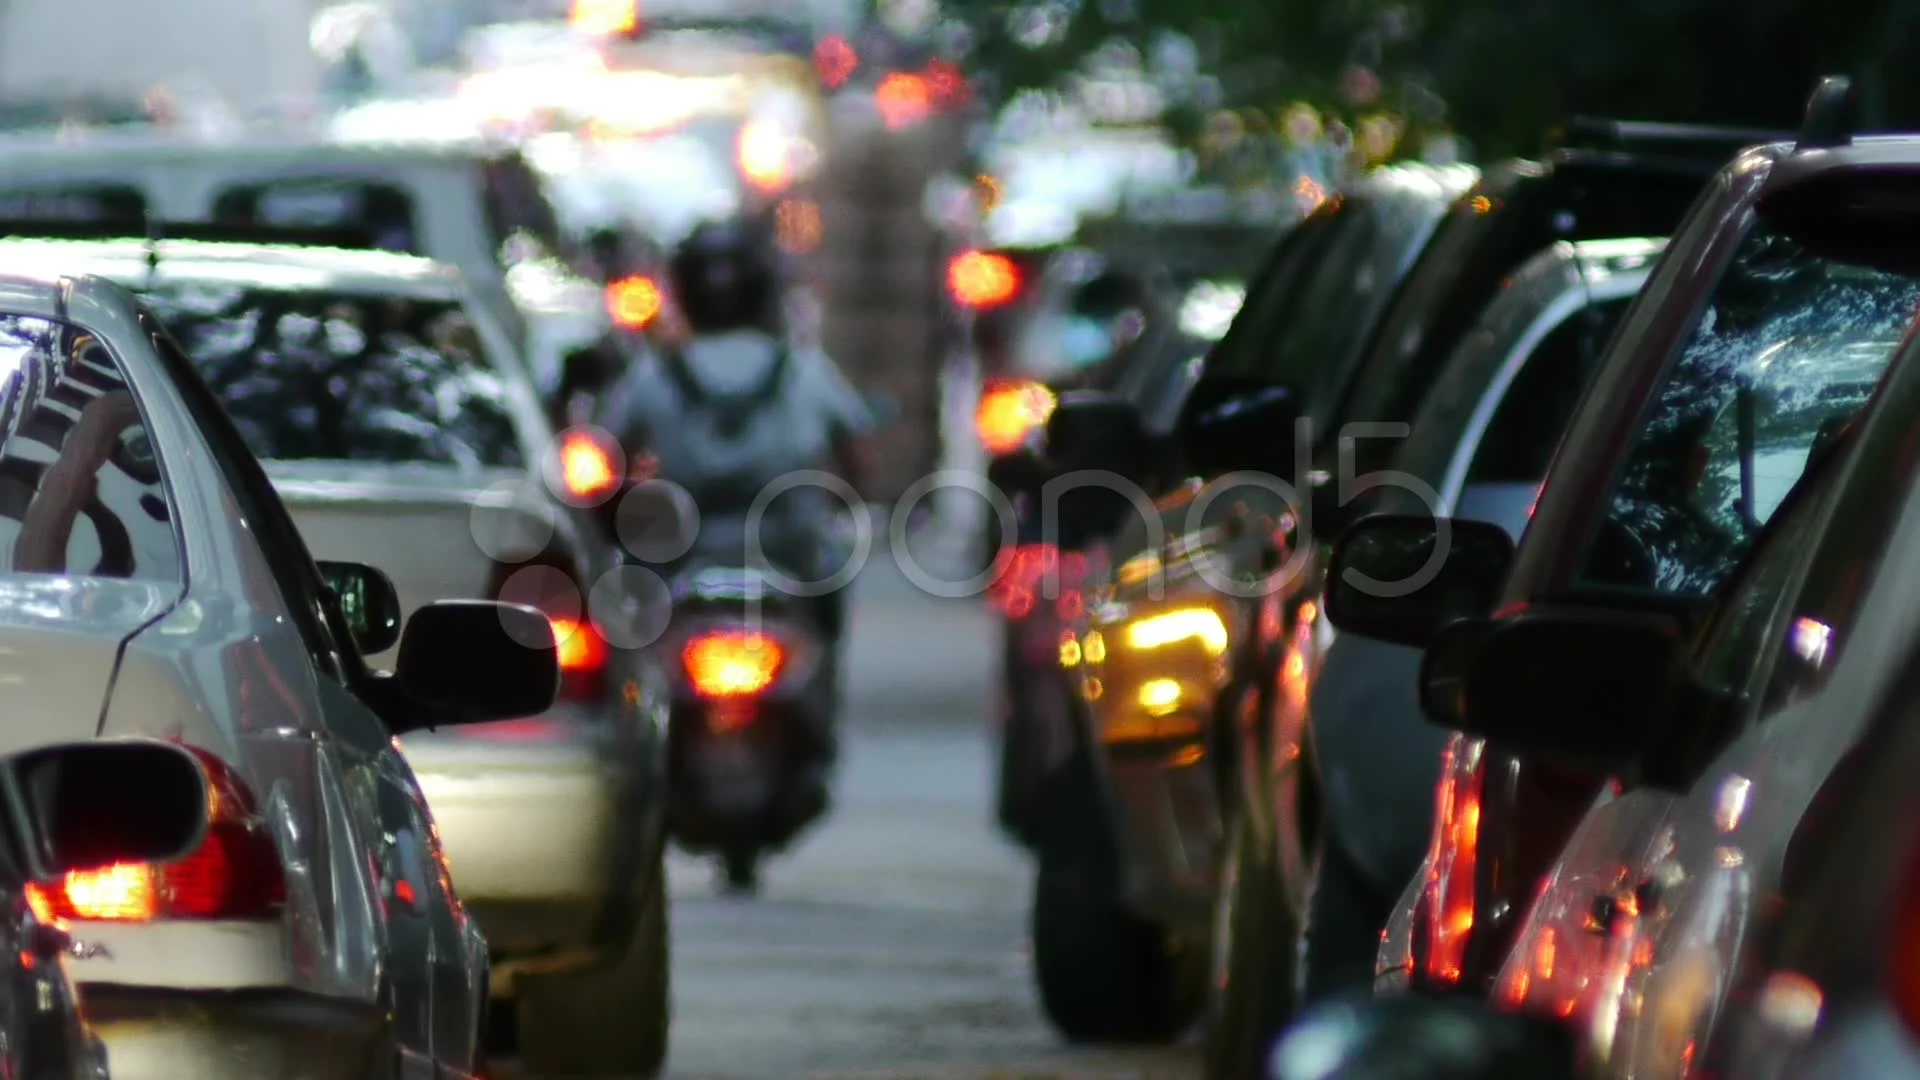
[1763, 313]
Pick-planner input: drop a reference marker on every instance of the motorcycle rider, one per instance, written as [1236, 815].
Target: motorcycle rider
[734, 407]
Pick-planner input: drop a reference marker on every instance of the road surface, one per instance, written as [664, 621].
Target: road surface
[891, 943]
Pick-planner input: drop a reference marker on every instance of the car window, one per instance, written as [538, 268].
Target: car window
[1246, 351]
[1310, 353]
[73, 202]
[1389, 366]
[83, 490]
[1534, 413]
[1791, 343]
[294, 573]
[517, 203]
[383, 210]
[325, 374]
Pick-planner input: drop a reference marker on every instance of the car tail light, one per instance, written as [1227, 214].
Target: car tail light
[235, 873]
[1009, 413]
[588, 468]
[1453, 863]
[983, 279]
[583, 659]
[633, 303]
[1033, 572]
[733, 664]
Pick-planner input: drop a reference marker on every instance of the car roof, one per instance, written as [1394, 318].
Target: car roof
[1599, 259]
[143, 145]
[374, 272]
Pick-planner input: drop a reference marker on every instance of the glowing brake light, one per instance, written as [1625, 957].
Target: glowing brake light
[633, 303]
[587, 469]
[733, 664]
[765, 154]
[604, 16]
[580, 644]
[234, 874]
[1030, 573]
[1008, 414]
[982, 279]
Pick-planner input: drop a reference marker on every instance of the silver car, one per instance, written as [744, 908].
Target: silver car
[154, 585]
[396, 426]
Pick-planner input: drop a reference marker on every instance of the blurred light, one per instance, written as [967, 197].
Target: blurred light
[586, 468]
[983, 279]
[732, 664]
[835, 60]
[946, 86]
[1209, 307]
[990, 192]
[1008, 414]
[580, 645]
[1160, 696]
[1201, 625]
[605, 16]
[633, 303]
[765, 153]
[903, 99]
[797, 226]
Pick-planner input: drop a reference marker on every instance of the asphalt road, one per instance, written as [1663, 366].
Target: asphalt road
[891, 942]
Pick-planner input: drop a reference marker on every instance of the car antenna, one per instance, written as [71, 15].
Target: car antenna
[1832, 115]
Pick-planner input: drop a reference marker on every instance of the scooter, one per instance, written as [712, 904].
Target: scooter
[751, 752]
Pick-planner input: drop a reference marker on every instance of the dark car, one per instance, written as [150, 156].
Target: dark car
[1119, 944]
[1654, 500]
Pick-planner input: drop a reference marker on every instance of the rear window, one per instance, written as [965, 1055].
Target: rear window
[1790, 347]
[73, 202]
[81, 488]
[331, 375]
[383, 210]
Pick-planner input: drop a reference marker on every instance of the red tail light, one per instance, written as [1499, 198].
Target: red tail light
[1009, 413]
[589, 469]
[235, 873]
[835, 60]
[583, 659]
[733, 664]
[983, 279]
[1031, 573]
[1453, 860]
[634, 303]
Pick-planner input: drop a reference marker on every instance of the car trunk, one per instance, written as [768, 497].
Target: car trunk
[61, 638]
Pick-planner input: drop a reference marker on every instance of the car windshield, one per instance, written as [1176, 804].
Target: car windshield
[326, 374]
[82, 491]
[1790, 347]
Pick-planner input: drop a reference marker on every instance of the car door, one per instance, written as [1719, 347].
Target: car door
[423, 940]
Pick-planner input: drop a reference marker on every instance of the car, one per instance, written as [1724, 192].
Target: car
[1730, 283]
[1119, 943]
[157, 587]
[393, 423]
[471, 203]
[78, 808]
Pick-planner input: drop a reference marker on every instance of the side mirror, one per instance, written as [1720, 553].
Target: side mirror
[470, 661]
[1092, 429]
[1402, 578]
[1590, 689]
[1233, 425]
[1422, 1037]
[93, 804]
[369, 602]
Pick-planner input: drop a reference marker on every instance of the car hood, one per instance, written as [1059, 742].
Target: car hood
[60, 645]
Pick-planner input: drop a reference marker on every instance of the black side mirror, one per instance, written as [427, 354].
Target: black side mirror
[1092, 429]
[1403, 578]
[369, 603]
[1236, 425]
[1422, 1037]
[1586, 688]
[471, 661]
[89, 805]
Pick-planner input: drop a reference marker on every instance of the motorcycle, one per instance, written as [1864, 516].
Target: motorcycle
[750, 717]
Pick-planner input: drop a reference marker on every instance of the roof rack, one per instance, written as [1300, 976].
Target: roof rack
[209, 232]
[1832, 115]
[1668, 140]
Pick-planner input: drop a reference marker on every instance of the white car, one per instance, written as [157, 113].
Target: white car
[152, 584]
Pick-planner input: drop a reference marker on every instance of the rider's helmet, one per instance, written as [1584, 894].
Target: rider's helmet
[725, 277]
